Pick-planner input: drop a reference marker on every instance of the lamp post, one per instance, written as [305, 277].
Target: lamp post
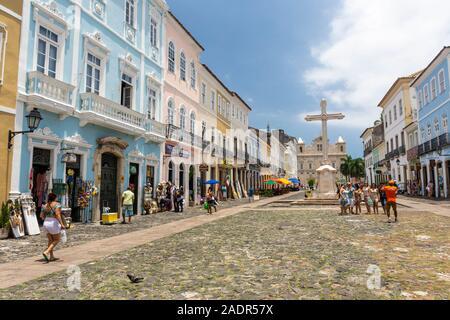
[33, 120]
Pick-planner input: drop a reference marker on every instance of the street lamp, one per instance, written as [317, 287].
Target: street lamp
[33, 120]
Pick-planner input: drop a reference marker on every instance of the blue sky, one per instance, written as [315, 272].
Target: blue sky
[284, 56]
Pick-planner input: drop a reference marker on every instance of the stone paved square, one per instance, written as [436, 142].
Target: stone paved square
[273, 254]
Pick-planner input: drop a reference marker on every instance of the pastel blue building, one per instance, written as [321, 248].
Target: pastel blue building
[93, 68]
[433, 94]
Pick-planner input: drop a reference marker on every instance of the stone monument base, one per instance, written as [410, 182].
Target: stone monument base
[326, 184]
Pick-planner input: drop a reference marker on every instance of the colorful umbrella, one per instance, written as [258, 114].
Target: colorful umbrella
[270, 182]
[294, 180]
[284, 181]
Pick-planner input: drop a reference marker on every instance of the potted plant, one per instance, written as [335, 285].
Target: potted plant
[4, 221]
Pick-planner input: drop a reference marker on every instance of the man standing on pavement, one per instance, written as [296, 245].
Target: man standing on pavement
[127, 203]
[391, 197]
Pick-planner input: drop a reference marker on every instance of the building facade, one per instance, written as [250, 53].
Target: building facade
[434, 106]
[98, 84]
[10, 28]
[310, 157]
[181, 112]
[398, 105]
[368, 157]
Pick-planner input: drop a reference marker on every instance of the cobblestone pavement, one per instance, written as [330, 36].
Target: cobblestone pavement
[16, 249]
[273, 254]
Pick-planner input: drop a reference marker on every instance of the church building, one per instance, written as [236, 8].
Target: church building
[309, 158]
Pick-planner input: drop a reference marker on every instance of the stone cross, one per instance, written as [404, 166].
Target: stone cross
[325, 117]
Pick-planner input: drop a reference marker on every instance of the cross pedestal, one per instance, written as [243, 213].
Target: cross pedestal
[326, 174]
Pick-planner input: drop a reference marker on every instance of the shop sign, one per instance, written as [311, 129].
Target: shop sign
[204, 168]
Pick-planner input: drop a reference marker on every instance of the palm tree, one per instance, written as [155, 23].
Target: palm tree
[358, 168]
[346, 166]
[352, 168]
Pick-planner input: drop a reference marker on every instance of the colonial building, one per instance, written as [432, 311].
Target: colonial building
[10, 27]
[434, 106]
[309, 158]
[373, 141]
[94, 70]
[398, 106]
[181, 112]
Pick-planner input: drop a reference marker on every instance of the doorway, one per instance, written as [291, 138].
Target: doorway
[181, 177]
[41, 178]
[170, 173]
[108, 191]
[134, 180]
[191, 183]
[73, 181]
[150, 177]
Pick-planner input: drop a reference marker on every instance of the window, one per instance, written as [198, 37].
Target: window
[442, 85]
[3, 40]
[426, 95]
[130, 7]
[395, 113]
[396, 142]
[386, 121]
[93, 74]
[213, 100]
[192, 123]
[170, 113]
[390, 117]
[154, 33]
[47, 54]
[203, 93]
[182, 66]
[151, 104]
[437, 128]
[422, 132]
[433, 89]
[310, 166]
[429, 130]
[219, 104]
[392, 145]
[182, 118]
[387, 146]
[193, 75]
[228, 110]
[233, 111]
[203, 129]
[420, 95]
[400, 107]
[127, 91]
[444, 121]
[171, 57]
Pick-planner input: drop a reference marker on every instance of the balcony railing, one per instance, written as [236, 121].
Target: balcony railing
[175, 133]
[48, 87]
[402, 150]
[101, 111]
[412, 153]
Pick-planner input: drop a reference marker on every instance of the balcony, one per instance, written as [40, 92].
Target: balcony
[402, 150]
[176, 134]
[49, 94]
[103, 112]
[434, 144]
[412, 153]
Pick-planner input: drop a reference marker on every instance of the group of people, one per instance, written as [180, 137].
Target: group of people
[170, 197]
[352, 196]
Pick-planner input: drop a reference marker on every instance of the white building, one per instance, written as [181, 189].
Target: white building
[398, 105]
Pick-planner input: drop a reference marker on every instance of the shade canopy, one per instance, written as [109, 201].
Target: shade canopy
[270, 182]
[294, 180]
[212, 182]
[284, 181]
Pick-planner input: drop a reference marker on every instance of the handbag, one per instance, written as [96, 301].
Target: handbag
[369, 202]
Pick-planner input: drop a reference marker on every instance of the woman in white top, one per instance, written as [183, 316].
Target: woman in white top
[375, 197]
[53, 224]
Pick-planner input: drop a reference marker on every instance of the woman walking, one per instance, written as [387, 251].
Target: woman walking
[374, 196]
[51, 214]
[211, 201]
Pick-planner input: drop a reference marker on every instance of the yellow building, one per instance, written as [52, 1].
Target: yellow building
[10, 24]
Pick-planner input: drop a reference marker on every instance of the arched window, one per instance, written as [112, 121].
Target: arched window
[429, 130]
[444, 121]
[171, 57]
[181, 176]
[193, 75]
[182, 118]
[182, 66]
[437, 127]
[192, 123]
[170, 113]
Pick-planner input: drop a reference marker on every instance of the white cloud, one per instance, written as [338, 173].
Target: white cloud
[370, 45]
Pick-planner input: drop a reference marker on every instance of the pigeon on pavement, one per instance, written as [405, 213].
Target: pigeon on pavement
[134, 279]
